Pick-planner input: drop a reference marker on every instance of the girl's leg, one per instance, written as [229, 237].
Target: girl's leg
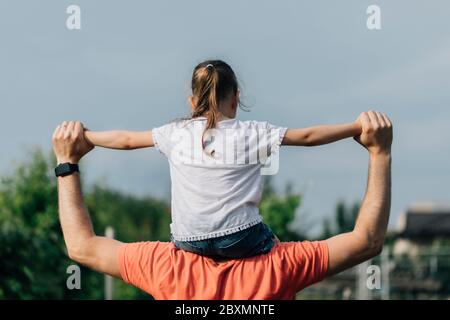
[253, 241]
[198, 247]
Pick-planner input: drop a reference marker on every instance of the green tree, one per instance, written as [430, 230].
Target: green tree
[343, 220]
[278, 211]
[133, 218]
[31, 248]
[33, 257]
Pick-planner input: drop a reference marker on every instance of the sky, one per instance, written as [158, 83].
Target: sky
[300, 63]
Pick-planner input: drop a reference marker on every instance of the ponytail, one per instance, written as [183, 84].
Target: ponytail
[212, 114]
[212, 82]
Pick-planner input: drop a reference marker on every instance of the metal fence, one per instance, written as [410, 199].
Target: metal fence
[389, 276]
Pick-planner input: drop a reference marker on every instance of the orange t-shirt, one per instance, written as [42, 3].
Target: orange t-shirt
[166, 272]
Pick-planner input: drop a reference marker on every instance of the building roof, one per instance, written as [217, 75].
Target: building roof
[426, 220]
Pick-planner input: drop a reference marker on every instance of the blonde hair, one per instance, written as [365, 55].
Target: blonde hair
[212, 82]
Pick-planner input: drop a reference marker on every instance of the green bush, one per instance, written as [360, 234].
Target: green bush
[33, 257]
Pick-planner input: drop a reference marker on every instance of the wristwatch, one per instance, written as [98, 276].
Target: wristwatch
[65, 169]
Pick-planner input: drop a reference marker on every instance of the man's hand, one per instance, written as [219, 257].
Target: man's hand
[69, 143]
[367, 238]
[376, 134]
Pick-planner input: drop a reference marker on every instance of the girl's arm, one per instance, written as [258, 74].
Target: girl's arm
[119, 139]
[319, 135]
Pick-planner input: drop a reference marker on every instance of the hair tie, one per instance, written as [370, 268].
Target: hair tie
[209, 65]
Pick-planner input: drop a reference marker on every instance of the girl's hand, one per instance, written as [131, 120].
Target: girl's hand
[358, 122]
[88, 135]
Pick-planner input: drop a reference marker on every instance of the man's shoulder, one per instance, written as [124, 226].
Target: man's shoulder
[296, 254]
[283, 253]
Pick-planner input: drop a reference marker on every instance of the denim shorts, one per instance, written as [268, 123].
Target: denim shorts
[258, 239]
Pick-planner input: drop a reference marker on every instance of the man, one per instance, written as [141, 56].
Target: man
[168, 273]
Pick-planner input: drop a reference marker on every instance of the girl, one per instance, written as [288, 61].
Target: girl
[216, 163]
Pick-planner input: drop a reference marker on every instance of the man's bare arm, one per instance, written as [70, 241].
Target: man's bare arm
[83, 246]
[367, 238]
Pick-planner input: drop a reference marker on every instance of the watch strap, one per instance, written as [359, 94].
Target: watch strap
[65, 169]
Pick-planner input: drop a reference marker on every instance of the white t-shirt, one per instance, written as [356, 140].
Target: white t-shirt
[216, 191]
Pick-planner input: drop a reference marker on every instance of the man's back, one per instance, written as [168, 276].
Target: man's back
[165, 272]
